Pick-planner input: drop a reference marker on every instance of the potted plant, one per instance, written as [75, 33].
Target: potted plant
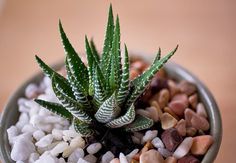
[109, 111]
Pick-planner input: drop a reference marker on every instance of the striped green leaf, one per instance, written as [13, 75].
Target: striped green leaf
[141, 81]
[94, 51]
[77, 67]
[108, 110]
[140, 123]
[75, 108]
[82, 128]
[76, 86]
[158, 56]
[124, 86]
[123, 120]
[115, 75]
[55, 108]
[108, 41]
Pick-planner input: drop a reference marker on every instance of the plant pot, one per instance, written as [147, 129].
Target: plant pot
[10, 114]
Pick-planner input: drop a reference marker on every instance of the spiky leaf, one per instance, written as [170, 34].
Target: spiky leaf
[69, 103]
[158, 56]
[124, 86]
[108, 41]
[94, 51]
[123, 120]
[141, 81]
[77, 67]
[82, 128]
[115, 75]
[76, 86]
[108, 110]
[140, 123]
[55, 108]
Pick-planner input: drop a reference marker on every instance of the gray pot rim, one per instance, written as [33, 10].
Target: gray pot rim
[174, 70]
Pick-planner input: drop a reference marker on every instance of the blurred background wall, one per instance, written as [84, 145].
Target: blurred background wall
[205, 31]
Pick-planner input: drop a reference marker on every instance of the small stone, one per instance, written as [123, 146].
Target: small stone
[164, 152]
[59, 148]
[193, 100]
[173, 88]
[47, 148]
[188, 159]
[143, 113]
[164, 97]
[167, 121]
[171, 139]
[156, 105]
[33, 157]
[201, 144]
[178, 107]
[170, 160]
[200, 123]
[157, 143]
[31, 91]
[28, 128]
[38, 135]
[188, 114]
[147, 146]
[153, 113]
[187, 87]
[61, 160]
[134, 161]
[122, 158]
[77, 142]
[23, 109]
[81, 160]
[181, 127]
[131, 154]
[168, 110]
[76, 155]
[90, 158]
[191, 131]
[149, 135]
[94, 148]
[115, 160]
[183, 148]
[45, 141]
[136, 140]
[151, 156]
[70, 133]
[12, 132]
[107, 157]
[23, 120]
[22, 149]
[46, 158]
[66, 138]
[201, 111]
[52, 119]
[57, 134]
[181, 97]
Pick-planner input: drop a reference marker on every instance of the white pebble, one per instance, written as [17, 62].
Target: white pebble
[12, 132]
[19, 161]
[61, 160]
[131, 154]
[36, 119]
[57, 134]
[70, 133]
[164, 152]
[94, 148]
[183, 148]
[33, 157]
[82, 161]
[74, 157]
[107, 157]
[22, 149]
[33, 111]
[46, 158]
[149, 135]
[52, 119]
[21, 101]
[47, 148]
[59, 148]
[157, 143]
[31, 91]
[122, 158]
[44, 112]
[23, 109]
[66, 138]
[45, 141]
[38, 135]
[77, 142]
[45, 127]
[23, 120]
[28, 128]
[90, 158]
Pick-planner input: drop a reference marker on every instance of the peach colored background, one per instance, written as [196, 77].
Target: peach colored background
[205, 31]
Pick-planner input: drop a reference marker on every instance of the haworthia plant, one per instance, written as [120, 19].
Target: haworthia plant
[102, 91]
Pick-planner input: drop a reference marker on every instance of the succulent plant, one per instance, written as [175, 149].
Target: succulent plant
[102, 92]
